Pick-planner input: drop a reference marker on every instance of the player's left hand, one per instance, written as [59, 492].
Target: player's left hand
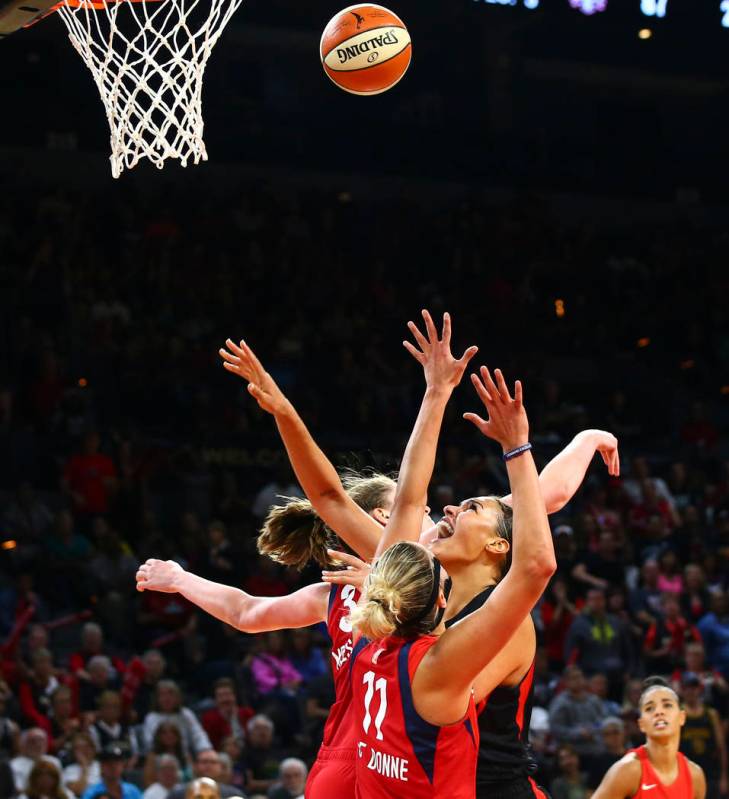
[355, 573]
[242, 361]
[441, 369]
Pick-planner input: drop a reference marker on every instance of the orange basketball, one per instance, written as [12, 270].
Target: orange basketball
[365, 49]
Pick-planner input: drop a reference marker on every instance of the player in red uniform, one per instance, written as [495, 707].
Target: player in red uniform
[414, 710]
[656, 770]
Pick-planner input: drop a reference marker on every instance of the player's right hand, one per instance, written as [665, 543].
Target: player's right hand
[159, 575]
[507, 421]
[242, 361]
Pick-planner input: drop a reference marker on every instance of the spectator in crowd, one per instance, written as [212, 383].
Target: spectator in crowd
[714, 629]
[667, 637]
[208, 765]
[9, 730]
[572, 782]
[33, 747]
[630, 712]
[36, 694]
[714, 687]
[219, 565]
[233, 748]
[276, 679]
[169, 707]
[614, 748]
[703, 739]
[92, 645]
[599, 642]
[282, 485]
[598, 685]
[670, 579]
[306, 658]
[84, 769]
[167, 777]
[557, 613]
[602, 568]
[167, 741]
[575, 715]
[227, 717]
[261, 757]
[108, 727]
[112, 761]
[101, 680]
[695, 599]
[67, 571]
[154, 666]
[292, 777]
[27, 519]
[204, 788]
[319, 699]
[89, 478]
[44, 782]
[63, 721]
[645, 601]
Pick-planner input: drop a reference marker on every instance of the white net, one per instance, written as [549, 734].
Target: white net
[148, 61]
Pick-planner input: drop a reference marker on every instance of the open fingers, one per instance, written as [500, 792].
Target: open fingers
[474, 418]
[481, 390]
[418, 336]
[430, 327]
[518, 393]
[491, 387]
[228, 356]
[446, 337]
[233, 347]
[414, 351]
[337, 578]
[255, 363]
[501, 384]
[467, 355]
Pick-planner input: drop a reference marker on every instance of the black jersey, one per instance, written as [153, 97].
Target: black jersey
[504, 757]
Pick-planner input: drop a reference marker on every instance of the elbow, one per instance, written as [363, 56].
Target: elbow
[542, 567]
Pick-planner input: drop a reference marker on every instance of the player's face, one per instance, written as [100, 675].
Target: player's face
[467, 532]
[382, 514]
[660, 715]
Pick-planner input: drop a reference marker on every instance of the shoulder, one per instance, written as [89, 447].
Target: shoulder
[623, 777]
[697, 773]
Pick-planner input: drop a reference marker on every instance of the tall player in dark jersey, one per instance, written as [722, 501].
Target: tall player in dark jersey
[413, 692]
[656, 770]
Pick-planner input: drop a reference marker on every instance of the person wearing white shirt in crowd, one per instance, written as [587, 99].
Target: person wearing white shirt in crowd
[33, 747]
[168, 776]
[85, 769]
[169, 708]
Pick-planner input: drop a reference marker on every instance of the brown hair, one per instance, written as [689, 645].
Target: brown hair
[293, 534]
[397, 590]
[41, 766]
[504, 528]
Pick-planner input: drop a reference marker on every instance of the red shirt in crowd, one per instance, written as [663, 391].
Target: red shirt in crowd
[85, 475]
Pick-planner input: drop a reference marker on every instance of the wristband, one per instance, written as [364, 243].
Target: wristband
[514, 453]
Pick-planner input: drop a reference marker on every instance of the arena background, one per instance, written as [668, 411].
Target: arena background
[555, 181]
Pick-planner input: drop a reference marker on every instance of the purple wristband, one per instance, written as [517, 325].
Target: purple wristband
[514, 453]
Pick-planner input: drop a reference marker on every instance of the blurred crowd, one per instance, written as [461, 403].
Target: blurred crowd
[122, 438]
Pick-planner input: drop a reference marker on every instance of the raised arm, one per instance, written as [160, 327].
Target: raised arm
[563, 475]
[315, 473]
[442, 374]
[466, 648]
[250, 614]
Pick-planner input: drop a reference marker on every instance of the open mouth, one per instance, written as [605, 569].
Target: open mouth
[660, 725]
[445, 529]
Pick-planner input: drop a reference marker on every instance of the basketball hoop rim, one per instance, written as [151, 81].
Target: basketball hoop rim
[97, 5]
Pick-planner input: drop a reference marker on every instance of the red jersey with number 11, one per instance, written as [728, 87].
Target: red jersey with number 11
[399, 753]
[338, 732]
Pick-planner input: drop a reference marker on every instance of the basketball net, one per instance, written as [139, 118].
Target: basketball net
[148, 61]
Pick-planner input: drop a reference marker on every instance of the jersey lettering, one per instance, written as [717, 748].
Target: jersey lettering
[391, 766]
[350, 602]
[342, 654]
[381, 686]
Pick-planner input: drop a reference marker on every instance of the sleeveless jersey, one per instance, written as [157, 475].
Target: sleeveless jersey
[503, 721]
[398, 752]
[698, 744]
[338, 729]
[652, 788]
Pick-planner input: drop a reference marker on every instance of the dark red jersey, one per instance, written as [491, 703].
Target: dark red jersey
[399, 753]
[338, 730]
[652, 788]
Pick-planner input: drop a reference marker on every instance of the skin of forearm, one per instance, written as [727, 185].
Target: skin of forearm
[564, 474]
[222, 601]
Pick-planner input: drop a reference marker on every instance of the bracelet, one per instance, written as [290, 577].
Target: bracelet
[514, 453]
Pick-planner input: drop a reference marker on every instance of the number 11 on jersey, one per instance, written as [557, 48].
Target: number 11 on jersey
[379, 685]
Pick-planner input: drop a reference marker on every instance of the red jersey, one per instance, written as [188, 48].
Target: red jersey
[398, 752]
[651, 786]
[338, 730]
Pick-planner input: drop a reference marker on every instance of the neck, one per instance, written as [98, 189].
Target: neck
[469, 580]
[663, 753]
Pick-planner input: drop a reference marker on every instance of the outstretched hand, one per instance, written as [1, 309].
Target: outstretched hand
[355, 573]
[507, 421]
[242, 361]
[441, 369]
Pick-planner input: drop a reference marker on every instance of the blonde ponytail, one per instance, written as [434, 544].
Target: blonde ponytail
[397, 591]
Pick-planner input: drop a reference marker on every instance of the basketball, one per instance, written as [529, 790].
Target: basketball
[365, 49]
